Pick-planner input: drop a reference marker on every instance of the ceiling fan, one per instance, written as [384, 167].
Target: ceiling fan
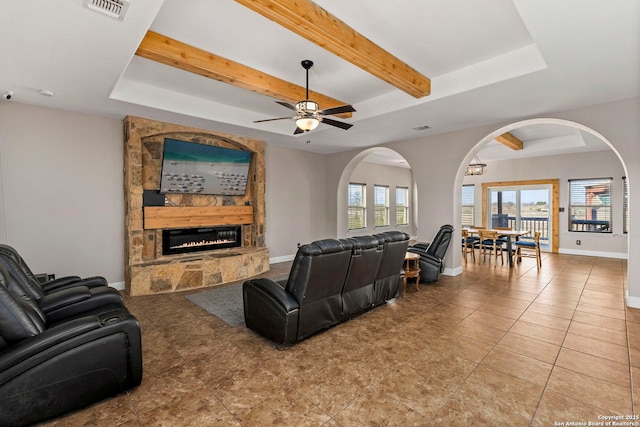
[308, 115]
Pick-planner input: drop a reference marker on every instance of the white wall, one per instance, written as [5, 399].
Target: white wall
[598, 164]
[295, 200]
[373, 174]
[62, 179]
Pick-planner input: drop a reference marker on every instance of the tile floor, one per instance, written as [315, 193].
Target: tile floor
[493, 346]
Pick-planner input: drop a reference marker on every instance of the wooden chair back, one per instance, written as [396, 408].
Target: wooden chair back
[490, 244]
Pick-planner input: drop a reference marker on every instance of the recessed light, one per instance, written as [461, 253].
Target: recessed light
[46, 92]
[425, 127]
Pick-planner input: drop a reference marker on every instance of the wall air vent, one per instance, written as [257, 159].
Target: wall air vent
[419, 128]
[115, 9]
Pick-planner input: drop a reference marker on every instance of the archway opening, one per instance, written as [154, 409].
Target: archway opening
[382, 182]
[544, 159]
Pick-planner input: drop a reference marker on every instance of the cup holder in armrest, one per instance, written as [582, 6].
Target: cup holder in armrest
[111, 320]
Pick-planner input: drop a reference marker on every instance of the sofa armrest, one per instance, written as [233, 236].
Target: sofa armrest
[416, 250]
[56, 300]
[73, 281]
[427, 258]
[270, 310]
[71, 302]
[275, 292]
[47, 339]
[422, 245]
[60, 281]
[70, 366]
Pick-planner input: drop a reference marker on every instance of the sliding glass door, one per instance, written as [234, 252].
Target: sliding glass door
[525, 207]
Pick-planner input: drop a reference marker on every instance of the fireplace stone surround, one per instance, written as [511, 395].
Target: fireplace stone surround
[147, 269]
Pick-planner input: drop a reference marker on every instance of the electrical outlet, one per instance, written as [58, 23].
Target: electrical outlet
[578, 242]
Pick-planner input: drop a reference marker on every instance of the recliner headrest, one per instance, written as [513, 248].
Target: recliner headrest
[325, 246]
[395, 236]
[364, 242]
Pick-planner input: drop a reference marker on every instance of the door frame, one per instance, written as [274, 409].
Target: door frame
[555, 199]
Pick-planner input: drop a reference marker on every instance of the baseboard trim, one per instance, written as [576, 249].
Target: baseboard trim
[284, 258]
[633, 302]
[600, 254]
[117, 285]
[452, 271]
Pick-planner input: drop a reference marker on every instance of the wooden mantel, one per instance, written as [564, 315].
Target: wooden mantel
[202, 216]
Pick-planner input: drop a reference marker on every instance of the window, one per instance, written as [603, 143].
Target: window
[625, 205]
[402, 206]
[590, 205]
[381, 205]
[468, 205]
[357, 211]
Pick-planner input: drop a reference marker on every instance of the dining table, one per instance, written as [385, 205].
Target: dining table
[509, 234]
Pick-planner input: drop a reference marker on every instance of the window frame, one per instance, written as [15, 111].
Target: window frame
[381, 207]
[588, 224]
[361, 207]
[402, 208]
[472, 206]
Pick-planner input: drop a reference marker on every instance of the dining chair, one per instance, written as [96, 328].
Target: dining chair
[468, 245]
[489, 243]
[528, 247]
[502, 239]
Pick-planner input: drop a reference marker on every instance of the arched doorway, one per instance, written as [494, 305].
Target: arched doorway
[616, 246]
[383, 159]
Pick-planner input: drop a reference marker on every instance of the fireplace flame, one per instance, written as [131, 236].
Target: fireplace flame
[202, 243]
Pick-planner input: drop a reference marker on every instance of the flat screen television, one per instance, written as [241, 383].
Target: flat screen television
[192, 168]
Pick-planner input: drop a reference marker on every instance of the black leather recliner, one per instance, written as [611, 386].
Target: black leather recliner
[432, 254]
[60, 303]
[330, 281]
[55, 284]
[308, 301]
[49, 369]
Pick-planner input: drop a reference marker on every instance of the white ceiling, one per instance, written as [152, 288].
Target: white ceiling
[489, 62]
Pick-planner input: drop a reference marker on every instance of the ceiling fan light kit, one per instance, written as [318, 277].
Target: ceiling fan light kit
[307, 123]
[308, 113]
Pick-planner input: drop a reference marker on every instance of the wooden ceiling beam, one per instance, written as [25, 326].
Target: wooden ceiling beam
[315, 24]
[174, 53]
[510, 141]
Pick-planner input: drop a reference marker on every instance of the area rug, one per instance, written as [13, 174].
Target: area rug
[224, 302]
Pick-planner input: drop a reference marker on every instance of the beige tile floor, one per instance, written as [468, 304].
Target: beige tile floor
[493, 346]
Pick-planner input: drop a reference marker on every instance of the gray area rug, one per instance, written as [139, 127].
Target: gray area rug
[224, 302]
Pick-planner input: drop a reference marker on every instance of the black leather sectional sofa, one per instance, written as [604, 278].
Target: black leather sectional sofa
[62, 347]
[330, 281]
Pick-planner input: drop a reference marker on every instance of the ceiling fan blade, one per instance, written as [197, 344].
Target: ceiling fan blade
[336, 123]
[287, 105]
[297, 131]
[270, 120]
[338, 110]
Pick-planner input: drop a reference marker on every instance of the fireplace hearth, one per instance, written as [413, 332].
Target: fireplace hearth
[184, 240]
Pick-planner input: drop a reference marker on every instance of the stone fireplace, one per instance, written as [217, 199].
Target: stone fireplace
[177, 242]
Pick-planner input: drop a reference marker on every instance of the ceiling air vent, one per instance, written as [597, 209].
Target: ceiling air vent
[115, 9]
[419, 128]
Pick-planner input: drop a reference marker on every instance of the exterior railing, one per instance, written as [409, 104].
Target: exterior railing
[532, 224]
